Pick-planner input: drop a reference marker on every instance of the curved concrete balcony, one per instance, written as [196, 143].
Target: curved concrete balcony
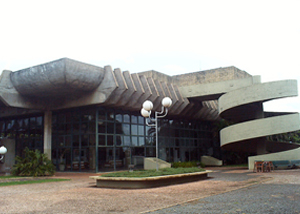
[245, 103]
[251, 131]
[244, 107]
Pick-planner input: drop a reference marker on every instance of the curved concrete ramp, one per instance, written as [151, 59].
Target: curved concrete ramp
[260, 128]
[244, 107]
[151, 163]
[286, 155]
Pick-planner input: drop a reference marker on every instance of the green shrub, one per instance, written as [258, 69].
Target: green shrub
[188, 164]
[34, 164]
[153, 173]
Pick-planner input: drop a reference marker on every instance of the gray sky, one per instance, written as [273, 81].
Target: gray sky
[172, 37]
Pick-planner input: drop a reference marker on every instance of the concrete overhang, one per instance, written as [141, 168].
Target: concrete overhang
[57, 78]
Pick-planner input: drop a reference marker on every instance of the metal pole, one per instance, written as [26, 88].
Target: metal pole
[156, 139]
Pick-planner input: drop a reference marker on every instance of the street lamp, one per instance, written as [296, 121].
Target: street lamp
[146, 112]
[3, 151]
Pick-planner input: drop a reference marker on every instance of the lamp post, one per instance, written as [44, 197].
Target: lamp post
[146, 112]
[3, 151]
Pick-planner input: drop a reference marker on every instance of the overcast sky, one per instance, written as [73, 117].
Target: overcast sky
[172, 37]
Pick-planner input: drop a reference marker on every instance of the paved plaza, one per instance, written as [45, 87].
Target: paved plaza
[228, 190]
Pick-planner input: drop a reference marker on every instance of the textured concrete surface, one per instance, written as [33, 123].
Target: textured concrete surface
[58, 77]
[214, 90]
[81, 196]
[260, 128]
[258, 93]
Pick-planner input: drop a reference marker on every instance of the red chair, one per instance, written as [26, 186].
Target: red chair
[258, 166]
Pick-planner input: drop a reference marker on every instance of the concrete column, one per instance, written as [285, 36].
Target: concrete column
[47, 133]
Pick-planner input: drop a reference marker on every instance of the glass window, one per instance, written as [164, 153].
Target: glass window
[141, 141]
[110, 115]
[75, 140]
[141, 130]
[119, 140]
[134, 141]
[68, 140]
[110, 127]
[134, 119]
[110, 140]
[141, 120]
[102, 139]
[134, 129]
[92, 140]
[85, 140]
[101, 127]
[126, 141]
[101, 115]
[150, 152]
[119, 118]
[126, 129]
[126, 118]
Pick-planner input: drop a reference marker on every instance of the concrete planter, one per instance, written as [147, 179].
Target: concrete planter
[148, 182]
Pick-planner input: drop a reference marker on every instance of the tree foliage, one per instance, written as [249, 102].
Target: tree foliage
[34, 163]
[292, 137]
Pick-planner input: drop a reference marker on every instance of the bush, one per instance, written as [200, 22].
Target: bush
[188, 164]
[34, 164]
[153, 172]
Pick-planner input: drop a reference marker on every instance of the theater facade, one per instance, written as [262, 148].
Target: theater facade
[87, 118]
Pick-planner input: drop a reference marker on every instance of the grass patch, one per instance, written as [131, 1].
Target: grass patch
[153, 173]
[13, 182]
[9, 176]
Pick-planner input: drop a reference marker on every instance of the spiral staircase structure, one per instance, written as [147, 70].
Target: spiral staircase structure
[244, 107]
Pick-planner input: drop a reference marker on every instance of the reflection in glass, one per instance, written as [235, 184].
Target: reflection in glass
[119, 118]
[134, 141]
[141, 130]
[126, 129]
[134, 119]
[134, 130]
[141, 141]
[126, 141]
[126, 118]
[141, 120]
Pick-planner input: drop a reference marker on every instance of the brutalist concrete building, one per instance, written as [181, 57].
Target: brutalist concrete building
[87, 118]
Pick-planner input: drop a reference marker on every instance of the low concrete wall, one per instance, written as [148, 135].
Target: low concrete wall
[286, 155]
[148, 182]
[151, 163]
[211, 161]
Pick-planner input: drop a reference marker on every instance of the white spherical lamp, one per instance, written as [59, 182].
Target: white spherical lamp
[148, 105]
[166, 102]
[145, 113]
[3, 150]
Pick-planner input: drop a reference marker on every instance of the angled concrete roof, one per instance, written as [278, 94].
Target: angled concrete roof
[66, 83]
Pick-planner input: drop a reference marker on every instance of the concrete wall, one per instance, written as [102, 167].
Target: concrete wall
[150, 163]
[286, 155]
[211, 161]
